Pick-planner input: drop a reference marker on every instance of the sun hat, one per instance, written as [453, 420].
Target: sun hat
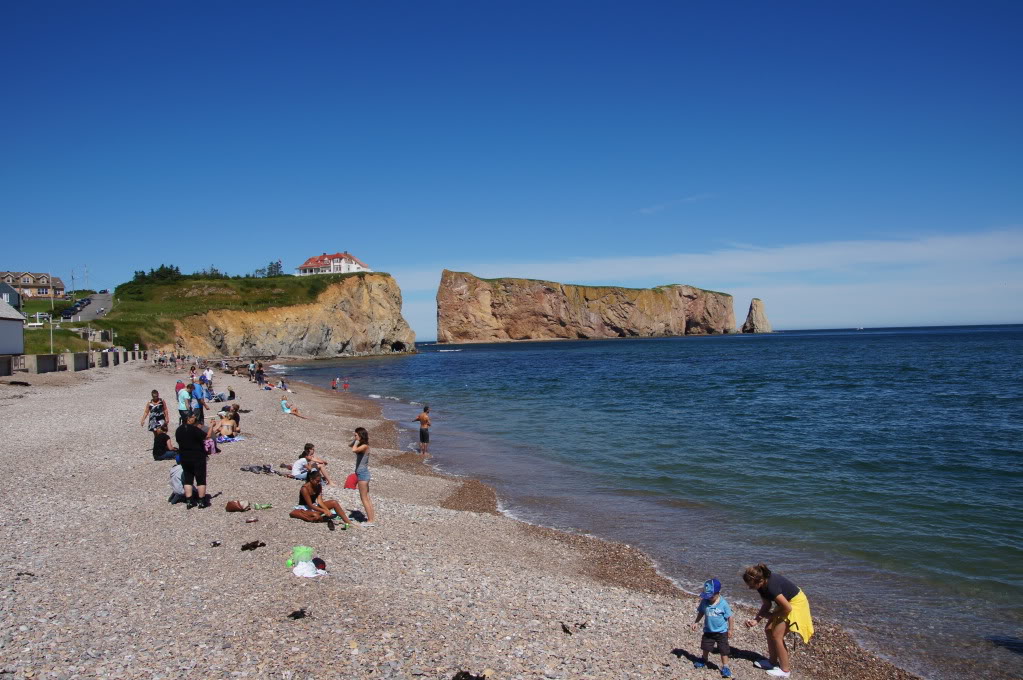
[710, 588]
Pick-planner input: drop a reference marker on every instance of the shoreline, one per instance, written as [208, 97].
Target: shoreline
[621, 565]
[438, 586]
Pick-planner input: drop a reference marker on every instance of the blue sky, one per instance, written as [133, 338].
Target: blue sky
[855, 165]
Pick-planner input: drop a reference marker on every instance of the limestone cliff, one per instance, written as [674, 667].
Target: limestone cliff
[470, 309]
[360, 314]
[756, 320]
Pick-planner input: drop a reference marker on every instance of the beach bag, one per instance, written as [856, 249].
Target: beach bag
[352, 481]
[236, 506]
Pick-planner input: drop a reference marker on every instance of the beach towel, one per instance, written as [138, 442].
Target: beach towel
[799, 619]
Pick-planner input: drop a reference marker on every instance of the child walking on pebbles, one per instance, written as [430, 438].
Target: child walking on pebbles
[717, 615]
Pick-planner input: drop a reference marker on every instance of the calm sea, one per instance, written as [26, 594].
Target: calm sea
[881, 470]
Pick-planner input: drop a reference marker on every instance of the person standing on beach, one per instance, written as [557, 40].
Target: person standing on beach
[717, 616]
[333, 384]
[191, 447]
[156, 412]
[252, 370]
[360, 447]
[791, 611]
[199, 397]
[424, 431]
[345, 386]
[185, 402]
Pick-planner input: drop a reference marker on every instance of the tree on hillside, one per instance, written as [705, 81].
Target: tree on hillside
[274, 269]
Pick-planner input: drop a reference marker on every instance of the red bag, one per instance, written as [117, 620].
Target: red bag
[352, 481]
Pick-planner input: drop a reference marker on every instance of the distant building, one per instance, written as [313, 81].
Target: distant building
[32, 285]
[10, 296]
[12, 330]
[338, 263]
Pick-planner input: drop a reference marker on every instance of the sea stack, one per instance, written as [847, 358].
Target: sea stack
[756, 320]
[471, 309]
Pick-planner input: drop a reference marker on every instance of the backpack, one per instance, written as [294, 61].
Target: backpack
[177, 488]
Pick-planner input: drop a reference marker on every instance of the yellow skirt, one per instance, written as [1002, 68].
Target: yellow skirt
[798, 619]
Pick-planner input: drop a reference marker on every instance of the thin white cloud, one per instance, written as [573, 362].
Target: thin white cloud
[661, 207]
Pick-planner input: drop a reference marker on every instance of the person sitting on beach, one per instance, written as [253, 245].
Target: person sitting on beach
[288, 408]
[225, 427]
[309, 461]
[360, 447]
[156, 412]
[791, 612]
[236, 417]
[717, 616]
[163, 447]
[311, 508]
[192, 448]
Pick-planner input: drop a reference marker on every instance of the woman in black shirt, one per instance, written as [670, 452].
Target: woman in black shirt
[791, 612]
[193, 461]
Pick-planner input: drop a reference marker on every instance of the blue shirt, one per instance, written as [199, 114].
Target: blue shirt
[198, 392]
[715, 615]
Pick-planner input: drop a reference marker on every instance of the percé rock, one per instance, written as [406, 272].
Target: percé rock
[357, 315]
[471, 309]
[756, 320]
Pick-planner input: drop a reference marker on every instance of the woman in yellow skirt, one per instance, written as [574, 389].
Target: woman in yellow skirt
[791, 611]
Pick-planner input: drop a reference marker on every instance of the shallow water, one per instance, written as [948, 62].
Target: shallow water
[881, 469]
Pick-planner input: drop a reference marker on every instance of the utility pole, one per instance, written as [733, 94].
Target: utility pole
[86, 277]
[49, 277]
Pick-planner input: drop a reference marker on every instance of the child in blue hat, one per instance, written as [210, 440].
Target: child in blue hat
[717, 615]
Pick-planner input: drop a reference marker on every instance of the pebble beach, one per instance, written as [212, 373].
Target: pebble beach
[102, 577]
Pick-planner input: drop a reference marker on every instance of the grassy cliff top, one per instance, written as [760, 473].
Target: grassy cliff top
[577, 285]
[145, 312]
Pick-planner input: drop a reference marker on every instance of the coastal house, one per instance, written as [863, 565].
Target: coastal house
[338, 263]
[10, 296]
[32, 285]
[12, 330]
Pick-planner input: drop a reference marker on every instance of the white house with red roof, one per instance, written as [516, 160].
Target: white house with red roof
[338, 263]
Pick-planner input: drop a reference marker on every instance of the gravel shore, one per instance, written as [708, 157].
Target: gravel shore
[103, 578]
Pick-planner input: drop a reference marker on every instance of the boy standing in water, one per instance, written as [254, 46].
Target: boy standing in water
[717, 616]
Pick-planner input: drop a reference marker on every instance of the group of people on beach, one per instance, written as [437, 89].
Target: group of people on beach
[196, 441]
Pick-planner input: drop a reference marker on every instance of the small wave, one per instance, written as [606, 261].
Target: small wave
[415, 403]
[449, 350]
[374, 396]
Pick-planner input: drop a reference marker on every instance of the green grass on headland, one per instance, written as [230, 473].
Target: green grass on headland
[144, 312]
[580, 285]
[32, 305]
[37, 341]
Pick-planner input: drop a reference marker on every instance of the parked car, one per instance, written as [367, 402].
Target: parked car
[67, 314]
[104, 291]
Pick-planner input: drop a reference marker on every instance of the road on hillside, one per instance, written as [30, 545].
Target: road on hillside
[91, 313]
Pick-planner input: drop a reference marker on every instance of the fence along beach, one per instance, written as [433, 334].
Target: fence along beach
[105, 578]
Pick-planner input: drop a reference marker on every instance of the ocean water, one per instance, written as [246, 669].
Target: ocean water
[881, 470]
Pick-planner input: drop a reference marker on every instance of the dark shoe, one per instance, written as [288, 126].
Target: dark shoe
[204, 503]
[190, 503]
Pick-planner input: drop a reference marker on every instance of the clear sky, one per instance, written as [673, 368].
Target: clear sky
[852, 164]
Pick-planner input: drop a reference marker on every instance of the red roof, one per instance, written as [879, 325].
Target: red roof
[324, 260]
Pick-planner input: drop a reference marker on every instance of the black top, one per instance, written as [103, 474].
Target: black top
[190, 442]
[312, 494]
[160, 444]
[778, 585]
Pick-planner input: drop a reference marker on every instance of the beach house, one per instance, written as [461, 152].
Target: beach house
[30, 284]
[338, 263]
[12, 330]
[10, 296]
